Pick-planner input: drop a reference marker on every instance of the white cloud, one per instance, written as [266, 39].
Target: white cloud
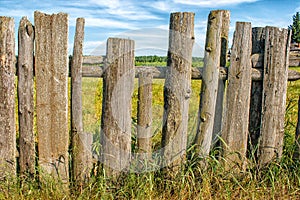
[112, 4]
[212, 3]
[125, 10]
[162, 6]
[105, 23]
[94, 48]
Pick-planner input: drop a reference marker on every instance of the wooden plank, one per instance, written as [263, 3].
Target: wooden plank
[209, 85]
[236, 115]
[177, 89]
[81, 149]
[144, 117]
[274, 94]
[51, 67]
[197, 72]
[222, 83]
[7, 98]
[296, 155]
[257, 60]
[118, 81]
[25, 97]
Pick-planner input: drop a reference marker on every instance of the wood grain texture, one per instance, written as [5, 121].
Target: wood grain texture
[274, 94]
[257, 61]
[222, 83]
[51, 67]
[25, 97]
[81, 146]
[177, 89]
[118, 82]
[7, 98]
[236, 115]
[144, 116]
[209, 85]
[296, 155]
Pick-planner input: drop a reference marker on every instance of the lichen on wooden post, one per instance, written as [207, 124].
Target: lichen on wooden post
[25, 97]
[7, 98]
[236, 116]
[276, 63]
[118, 82]
[177, 89]
[51, 67]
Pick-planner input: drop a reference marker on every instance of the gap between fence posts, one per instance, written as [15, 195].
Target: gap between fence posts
[118, 82]
[276, 63]
[257, 62]
[51, 67]
[25, 97]
[177, 89]
[210, 80]
[7, 98]
[236, 115]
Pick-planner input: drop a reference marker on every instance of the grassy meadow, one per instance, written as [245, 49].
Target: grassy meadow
[279, 180]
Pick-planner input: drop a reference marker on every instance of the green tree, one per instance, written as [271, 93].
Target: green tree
[295, 27]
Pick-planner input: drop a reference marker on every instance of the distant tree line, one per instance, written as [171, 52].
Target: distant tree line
[155, 58]
[295, 27]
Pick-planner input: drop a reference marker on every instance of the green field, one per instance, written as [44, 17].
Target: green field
[279, 180]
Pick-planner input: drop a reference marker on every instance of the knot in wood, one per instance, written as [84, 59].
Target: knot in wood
[208, 49]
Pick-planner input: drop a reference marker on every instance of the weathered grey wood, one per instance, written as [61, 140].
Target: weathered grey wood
[81, 149]
[197, 72]
[274, 94]
[296, 155]
[294, 59]
[177, 89]
[25, 97]
[294, 54]
[236, 115]
[209, 85]
[51, 69]
[144, 116]
[118, 81]
[92, 60]
[222, 83]
[257, 60]
[7, 98]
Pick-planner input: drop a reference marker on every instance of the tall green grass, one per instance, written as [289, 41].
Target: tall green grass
[278, 180]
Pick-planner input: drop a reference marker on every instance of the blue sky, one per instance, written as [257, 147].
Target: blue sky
[147, 21]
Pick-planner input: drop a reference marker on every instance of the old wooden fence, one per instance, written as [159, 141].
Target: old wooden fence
[244, 104]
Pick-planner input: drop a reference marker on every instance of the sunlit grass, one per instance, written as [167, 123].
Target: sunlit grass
[278, 180]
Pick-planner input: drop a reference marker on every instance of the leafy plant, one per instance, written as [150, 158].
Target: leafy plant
[295, 27]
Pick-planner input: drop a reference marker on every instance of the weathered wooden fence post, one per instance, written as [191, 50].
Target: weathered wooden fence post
[296, 155]
[118, 81]
[7, 98]
[25, 97]
[144, 118]
[222, 83]
[276, 63]
[51, 67]
[81, 148]
[177, 89]
[236, 115]
[257, 62]
[210, 80]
